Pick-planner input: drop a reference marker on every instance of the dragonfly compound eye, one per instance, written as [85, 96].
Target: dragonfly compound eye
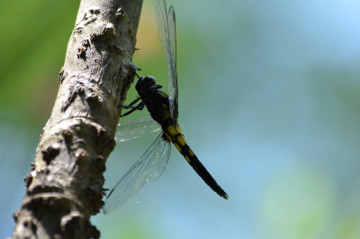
[149, 81]
[145, 83]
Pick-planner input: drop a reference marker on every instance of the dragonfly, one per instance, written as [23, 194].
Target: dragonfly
[163, 111]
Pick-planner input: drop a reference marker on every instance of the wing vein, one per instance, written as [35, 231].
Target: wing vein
[149, 167]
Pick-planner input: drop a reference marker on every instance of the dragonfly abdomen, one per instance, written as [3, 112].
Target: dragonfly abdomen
[174, 134]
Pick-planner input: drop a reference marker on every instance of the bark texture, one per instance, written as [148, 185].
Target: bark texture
[65, 185]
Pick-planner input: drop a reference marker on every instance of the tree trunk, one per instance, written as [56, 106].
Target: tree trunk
[65, 184]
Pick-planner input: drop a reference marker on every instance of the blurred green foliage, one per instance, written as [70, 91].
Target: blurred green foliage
[34, 38]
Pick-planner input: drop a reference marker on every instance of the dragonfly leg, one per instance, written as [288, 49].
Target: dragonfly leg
[140, 106]
[131, 104]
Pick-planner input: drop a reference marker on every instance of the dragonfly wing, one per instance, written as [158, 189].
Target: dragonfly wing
[167, 32]
[136, 128]
[172, 82]
[149, 167]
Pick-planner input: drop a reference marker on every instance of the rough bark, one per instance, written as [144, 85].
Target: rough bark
[65, 185]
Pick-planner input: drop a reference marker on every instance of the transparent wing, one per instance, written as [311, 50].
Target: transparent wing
[136, 128]
[167, 32]
[149, 167]
[172, 83]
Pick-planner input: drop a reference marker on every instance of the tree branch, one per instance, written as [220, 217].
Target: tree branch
[65, 185]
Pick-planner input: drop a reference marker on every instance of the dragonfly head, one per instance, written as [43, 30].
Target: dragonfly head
[146, 84]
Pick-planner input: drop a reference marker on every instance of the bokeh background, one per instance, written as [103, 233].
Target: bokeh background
[268, 100]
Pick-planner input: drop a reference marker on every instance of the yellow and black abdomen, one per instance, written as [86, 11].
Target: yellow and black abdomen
[157, 104]
[174, 134]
